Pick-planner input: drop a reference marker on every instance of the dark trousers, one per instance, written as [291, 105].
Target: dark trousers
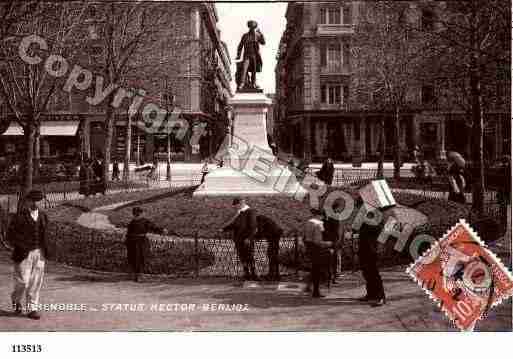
[334, 263]
[246, 255]
[273, 252]
[457, 197]
[203, 177]
[136, 255]
[320, 259]
[369, 264]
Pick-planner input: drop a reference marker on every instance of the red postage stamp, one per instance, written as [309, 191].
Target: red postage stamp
[463, 276]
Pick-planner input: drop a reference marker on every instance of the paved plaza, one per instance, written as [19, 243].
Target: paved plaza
[101, 302]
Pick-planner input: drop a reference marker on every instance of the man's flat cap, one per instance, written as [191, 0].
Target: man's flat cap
[252, 24]
[35, 195]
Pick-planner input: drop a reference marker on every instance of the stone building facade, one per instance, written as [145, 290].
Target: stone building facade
[185, 66]
[317, 110]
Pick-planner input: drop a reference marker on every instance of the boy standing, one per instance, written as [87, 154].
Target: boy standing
[27, 233]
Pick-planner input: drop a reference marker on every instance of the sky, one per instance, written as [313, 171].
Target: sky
[271, 22]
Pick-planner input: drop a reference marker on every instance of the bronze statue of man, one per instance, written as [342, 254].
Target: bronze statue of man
[251, 60]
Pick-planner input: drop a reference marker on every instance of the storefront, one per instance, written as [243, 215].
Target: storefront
[58, 138]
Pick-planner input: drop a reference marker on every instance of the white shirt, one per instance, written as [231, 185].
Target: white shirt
[34, 214]
[244, 208]
[313, 230]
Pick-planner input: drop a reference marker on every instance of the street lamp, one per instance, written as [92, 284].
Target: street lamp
[229, 114]
[169, 104]
[168, 162]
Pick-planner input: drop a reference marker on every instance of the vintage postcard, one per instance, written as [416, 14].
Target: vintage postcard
[181, 166]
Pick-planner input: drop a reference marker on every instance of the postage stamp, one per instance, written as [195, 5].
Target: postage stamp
[462, 276]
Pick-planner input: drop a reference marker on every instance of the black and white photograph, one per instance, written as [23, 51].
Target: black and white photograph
[331, 167]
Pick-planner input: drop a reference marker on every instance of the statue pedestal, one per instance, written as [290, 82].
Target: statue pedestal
[250, 168]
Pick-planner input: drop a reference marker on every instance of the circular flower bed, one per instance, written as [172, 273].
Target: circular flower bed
[186, 215]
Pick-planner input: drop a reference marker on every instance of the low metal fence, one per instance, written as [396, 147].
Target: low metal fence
[194, 256]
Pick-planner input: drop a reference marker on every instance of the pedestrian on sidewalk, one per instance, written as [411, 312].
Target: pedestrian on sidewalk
[317, 249]
[456, 177]
[333, 228]
[137, 242]
[244, 227]
[27, 233]
[204, 171]
[368, 258]
[270, 230]
[115, 170]
[326, 172]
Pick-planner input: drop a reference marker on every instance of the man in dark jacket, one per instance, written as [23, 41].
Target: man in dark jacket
[333, 235]
[27, 234]
[99, 183]
[326, 172]
[137, 242]
[271, 231]
[368, 257]
[244, 227]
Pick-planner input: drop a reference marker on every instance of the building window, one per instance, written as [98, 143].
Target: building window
[346, 56]
[91, 12]
[428, 20]
[345, 94]
[334, 16]
[334, 94]
[331, 55]
[324, 55]
[356, 127]
[347, 15]
[331, 94]
[330, 15]
[428, 94]
[322, 19]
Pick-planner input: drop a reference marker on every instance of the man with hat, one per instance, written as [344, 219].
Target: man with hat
[317, 249]
[244, 227]
[251, 60]
[137, 242]
[27, 233]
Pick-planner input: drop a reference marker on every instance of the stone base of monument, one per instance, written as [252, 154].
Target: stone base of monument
[243, 174]
[229, 182]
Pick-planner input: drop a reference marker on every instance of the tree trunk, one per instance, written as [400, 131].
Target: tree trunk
[37, 154]
[478, 188]
[109, 132]
[128, 149]
[29, 133]
[397, 146]
[478, 185]
[381, 148]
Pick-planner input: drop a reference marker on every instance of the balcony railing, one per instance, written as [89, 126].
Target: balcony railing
[335, 29]
[335, 69]
[334, 106]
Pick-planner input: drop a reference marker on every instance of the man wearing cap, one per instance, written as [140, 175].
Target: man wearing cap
[27, 233]
[137, 241]
[317, 249]
[252, 61]
[368, 256]
[244, 227]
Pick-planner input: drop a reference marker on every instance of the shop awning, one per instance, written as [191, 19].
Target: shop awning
[13, 130]
[59, 128]
[48, 128]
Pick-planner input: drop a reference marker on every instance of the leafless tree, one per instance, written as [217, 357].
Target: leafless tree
[473, 49]
[386, 61]
[27, 88]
